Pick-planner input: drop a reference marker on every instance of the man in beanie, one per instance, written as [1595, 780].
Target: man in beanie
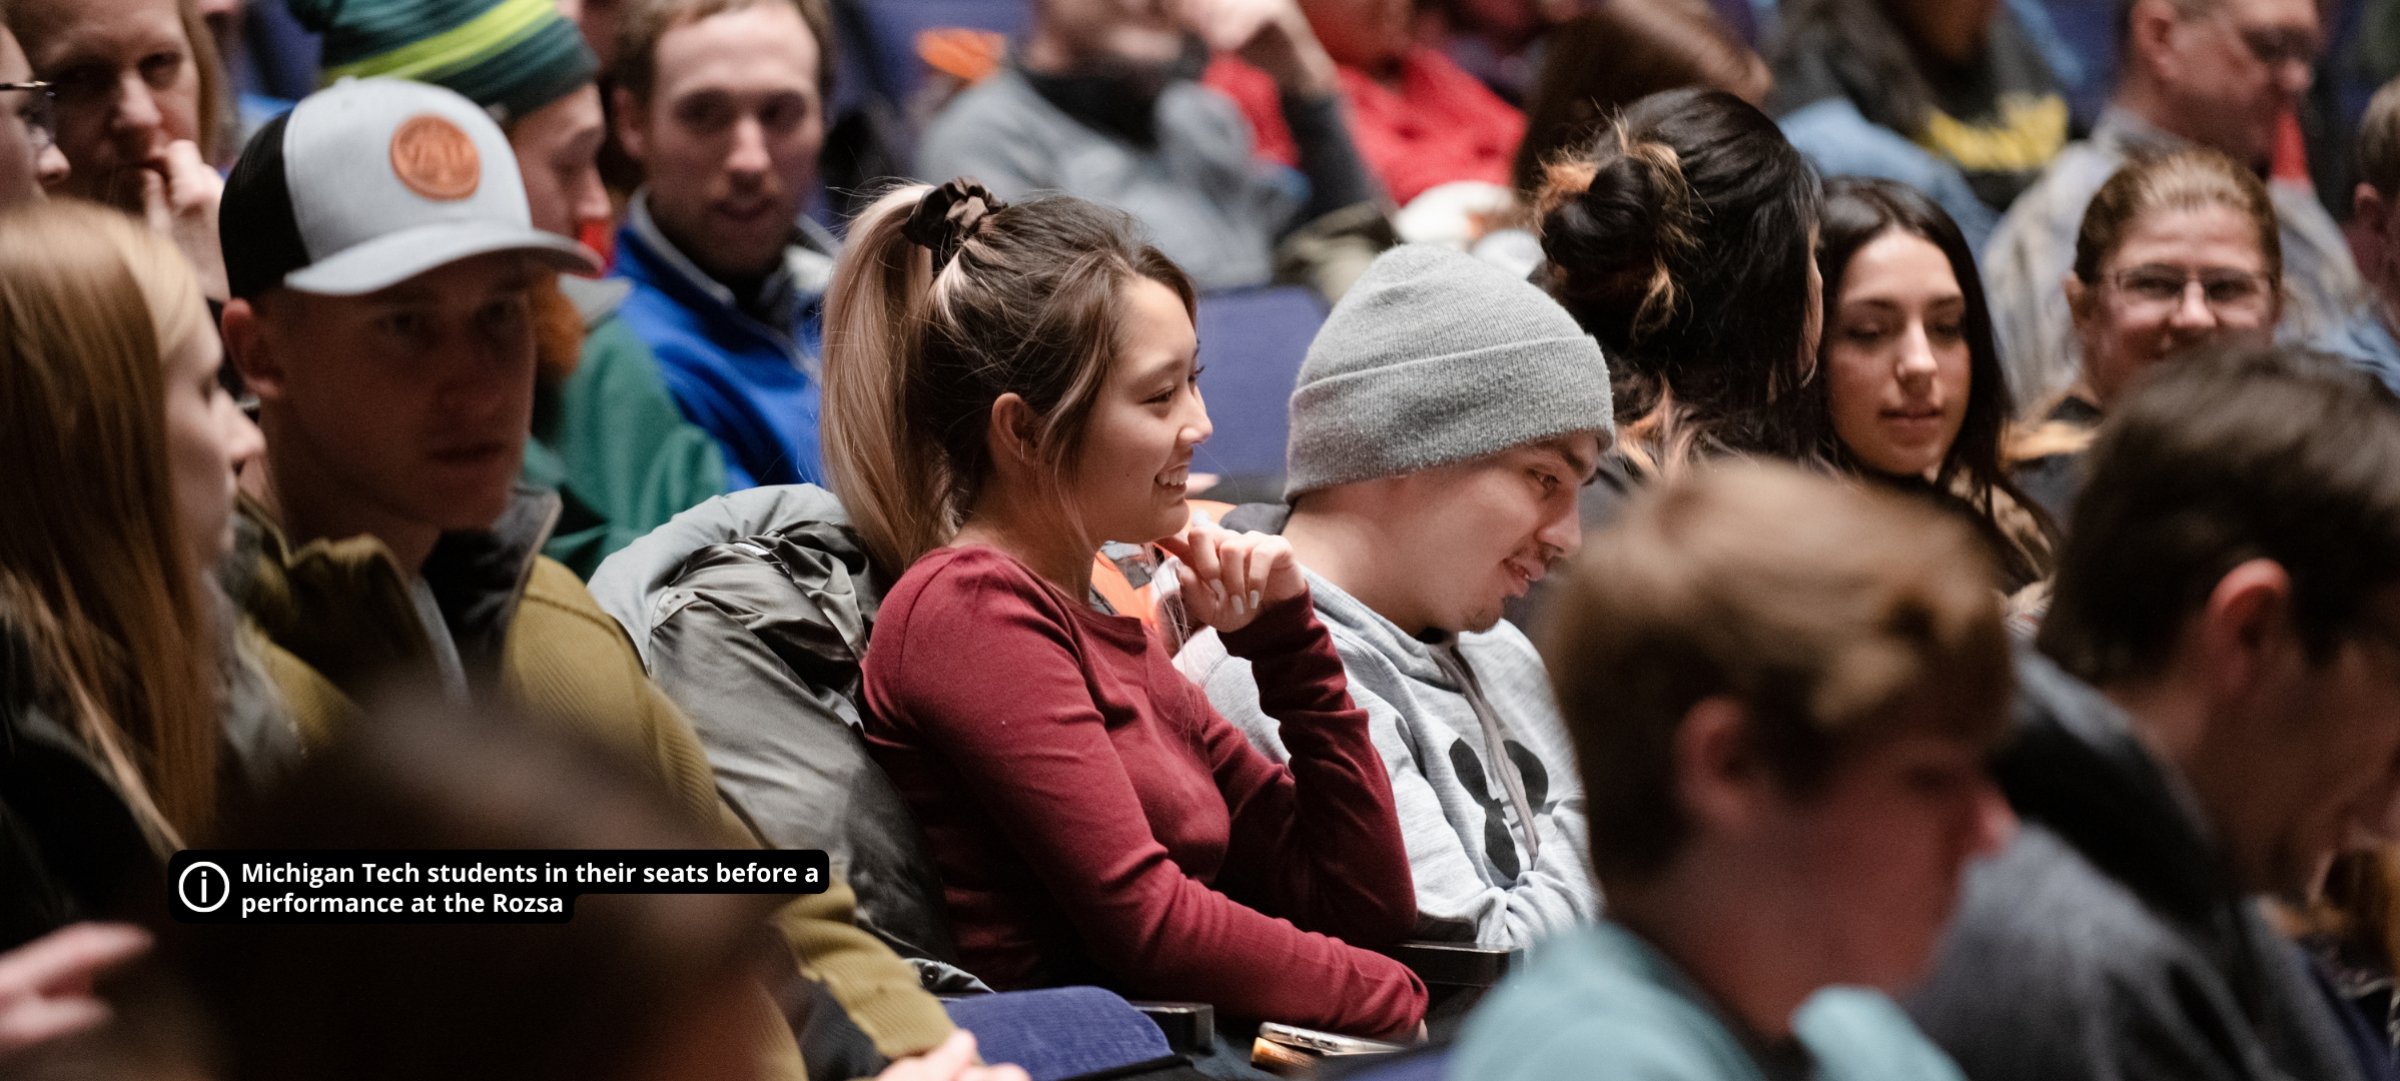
[383, 264]
[1445, 423]
[606, 434]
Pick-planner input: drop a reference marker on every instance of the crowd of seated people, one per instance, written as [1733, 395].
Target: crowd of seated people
[1793, 554]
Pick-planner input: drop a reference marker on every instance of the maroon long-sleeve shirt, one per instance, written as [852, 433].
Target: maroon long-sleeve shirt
[1096, 821]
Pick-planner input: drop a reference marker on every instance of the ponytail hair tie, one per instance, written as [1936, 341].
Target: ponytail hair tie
[947, 216]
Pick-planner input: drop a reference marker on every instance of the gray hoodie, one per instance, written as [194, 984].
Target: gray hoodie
[1482, 771]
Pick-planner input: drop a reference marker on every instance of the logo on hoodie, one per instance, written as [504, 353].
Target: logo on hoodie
[1499, 842]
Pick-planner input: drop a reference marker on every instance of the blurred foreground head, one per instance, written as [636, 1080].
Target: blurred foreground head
[1781, 689]
[633, 987]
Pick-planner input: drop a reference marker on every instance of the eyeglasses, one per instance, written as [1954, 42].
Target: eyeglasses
[2274, 46]
[40, 113]
[2228, 292]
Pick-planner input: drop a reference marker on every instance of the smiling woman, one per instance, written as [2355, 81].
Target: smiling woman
[1008, 386]
[2175, 250]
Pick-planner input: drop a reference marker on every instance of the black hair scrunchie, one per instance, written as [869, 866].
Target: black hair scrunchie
[947, 216]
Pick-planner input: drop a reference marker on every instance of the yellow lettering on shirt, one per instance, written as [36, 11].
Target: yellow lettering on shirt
[2030, 131]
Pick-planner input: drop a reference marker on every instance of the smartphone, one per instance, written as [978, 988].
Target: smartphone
[1325, 1043]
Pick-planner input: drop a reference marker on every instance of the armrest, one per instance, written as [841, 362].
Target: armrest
[1191, 1027]
[1457, 964]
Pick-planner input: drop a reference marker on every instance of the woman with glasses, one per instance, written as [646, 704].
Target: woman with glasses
[143, 112]
[29, 157]
[2174, 250]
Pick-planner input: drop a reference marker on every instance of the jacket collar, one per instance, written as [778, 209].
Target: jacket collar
[1115, 98]
[595, 299]
[2122, 131]
[2075, 765]
[343, 605]
[478, 578]
[801, 280]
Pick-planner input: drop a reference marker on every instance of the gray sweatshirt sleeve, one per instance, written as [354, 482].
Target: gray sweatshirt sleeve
[1337, 177]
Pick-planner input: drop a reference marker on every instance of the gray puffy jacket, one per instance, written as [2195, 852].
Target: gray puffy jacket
[752, 611]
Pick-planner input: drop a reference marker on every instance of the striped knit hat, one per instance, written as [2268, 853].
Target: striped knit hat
[509, 56]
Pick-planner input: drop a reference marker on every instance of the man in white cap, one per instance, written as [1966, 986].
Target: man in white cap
[382, 262]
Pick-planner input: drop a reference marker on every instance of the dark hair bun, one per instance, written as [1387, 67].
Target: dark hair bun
[1606, 242]
[1612, 224]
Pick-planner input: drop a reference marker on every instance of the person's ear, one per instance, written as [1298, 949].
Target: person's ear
[1014, 431]
[2242, 638]
[2080, 298]
[633, 124]
[2150, 30]
[1718, 776]
[252, 349]
[2372, 214]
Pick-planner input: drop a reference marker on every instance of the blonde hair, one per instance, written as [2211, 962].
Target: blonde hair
[2179, 180]
[220, 134]
[95, 576]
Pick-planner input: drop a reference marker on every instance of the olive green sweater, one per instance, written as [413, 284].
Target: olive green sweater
[525, 624]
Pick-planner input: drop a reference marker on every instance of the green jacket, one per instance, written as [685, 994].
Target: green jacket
[610, 440]
[525, 626]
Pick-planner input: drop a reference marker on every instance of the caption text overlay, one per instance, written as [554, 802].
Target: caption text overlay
[461, 886]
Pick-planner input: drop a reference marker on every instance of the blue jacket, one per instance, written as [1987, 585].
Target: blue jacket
[752, 386]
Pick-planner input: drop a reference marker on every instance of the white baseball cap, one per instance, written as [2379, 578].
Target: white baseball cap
[370, 182]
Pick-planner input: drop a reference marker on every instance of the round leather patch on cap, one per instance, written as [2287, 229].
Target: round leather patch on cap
[436, 158]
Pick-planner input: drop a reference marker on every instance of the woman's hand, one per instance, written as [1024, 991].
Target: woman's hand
[1226, 577]
[953, 1060]
[180, 193]
[46, 984]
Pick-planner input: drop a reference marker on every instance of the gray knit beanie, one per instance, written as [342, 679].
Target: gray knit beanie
[1437, 357]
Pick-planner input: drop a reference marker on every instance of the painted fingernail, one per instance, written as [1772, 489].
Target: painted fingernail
[1217, 590]
[1255, 594]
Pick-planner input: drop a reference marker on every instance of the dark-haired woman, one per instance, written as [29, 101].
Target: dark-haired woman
[1008, 387]
[1912, 374]
[1683, 239]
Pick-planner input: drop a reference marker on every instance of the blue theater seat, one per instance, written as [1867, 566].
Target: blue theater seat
[1251, 343]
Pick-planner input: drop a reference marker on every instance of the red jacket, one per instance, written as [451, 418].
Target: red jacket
[1442, 124]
